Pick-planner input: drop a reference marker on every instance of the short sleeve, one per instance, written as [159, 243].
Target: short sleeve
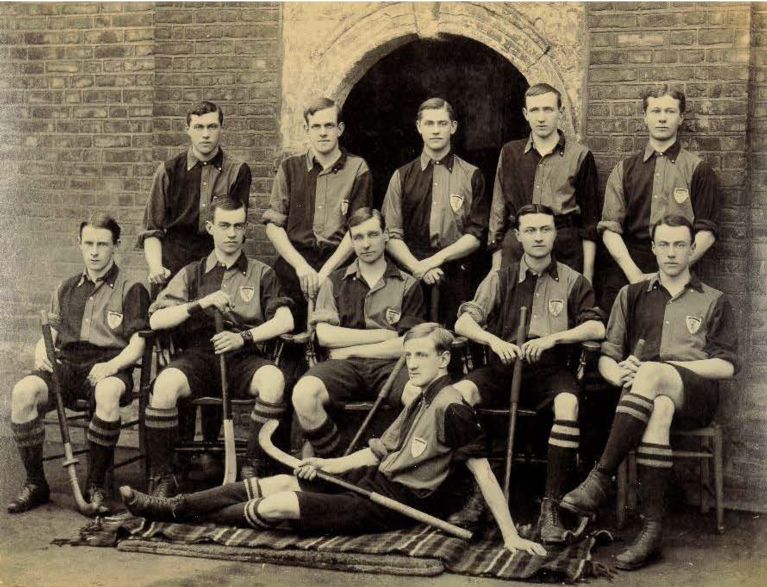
[704, 199]
[413, 308]
[277, 213]
[273, 296]
[587, 197]
[392, 207]
[614, 345]
[175, 293]
[722, 335]
[582, 305]
[136, 309]
[464, 434]
[614, 209]
[485, 300]
[478, 216]
[325, 309]
[156, 207]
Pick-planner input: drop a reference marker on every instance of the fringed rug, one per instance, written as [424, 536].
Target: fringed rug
[418, 551]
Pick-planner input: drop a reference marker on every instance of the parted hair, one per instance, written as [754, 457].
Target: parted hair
[436, 104]
[202, 108]
[442, 338]
[360, 215]
[532, 209]
[101, 220]
[672, 220]
[223, 203]
[664, 90]
[541, 89]
[322, 103]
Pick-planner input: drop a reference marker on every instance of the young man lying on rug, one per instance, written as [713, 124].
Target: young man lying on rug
[408, 463]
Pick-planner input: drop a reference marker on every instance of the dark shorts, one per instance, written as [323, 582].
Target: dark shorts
[73, 378]
[359, 379]
[541, 383]
[701, 399]
[328, 508]
[203, 372]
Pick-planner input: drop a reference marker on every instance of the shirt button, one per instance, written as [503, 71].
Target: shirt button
[202, 206]
[655, 197]
[204, 183]
[667, 322]
[535, 315]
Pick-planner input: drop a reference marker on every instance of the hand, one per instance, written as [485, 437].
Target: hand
[219, 299]
[533, 349]
[308, 468]
[434, 276]
[637, 276]
[225, 342]
[158, 275]
[628, 368]
[507, 351]
[425, 266]
[309, 280]
[517, 543]
[41, 359]
[101, 371]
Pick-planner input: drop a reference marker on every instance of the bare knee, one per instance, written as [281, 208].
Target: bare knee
[269, 384]
[281, 506]
[278, 484]
[566, 406]
[308, 395]
[648, 379]
[107, 394]
[26, 395]
[169, 386]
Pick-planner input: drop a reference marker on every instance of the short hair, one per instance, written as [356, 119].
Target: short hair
[322, 103]
[202, 108]
[224, 203]
[363, 214]
[540, 90]
[672, 220]
[532, 209]
[664, 90]
[436, 104]
[101, 220]
[442, 337]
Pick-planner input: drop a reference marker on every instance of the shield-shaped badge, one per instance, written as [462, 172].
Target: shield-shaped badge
[344, 207]
[114, 319]
[246, 293]
[392, 316]
[681, 194]
[417, 446]
[693, 324]
[456, 201]
[556, 307]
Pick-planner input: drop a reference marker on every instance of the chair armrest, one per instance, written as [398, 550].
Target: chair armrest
[591, 346]
[298, 338]
[149, 333]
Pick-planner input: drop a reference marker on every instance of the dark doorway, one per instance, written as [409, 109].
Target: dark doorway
[485, 89]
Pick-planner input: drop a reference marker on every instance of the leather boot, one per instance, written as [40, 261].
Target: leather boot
[646, 547]
[589, 495]
[472, 511]
[551, 527]
[98, 497]
[163, 485]
[31, 496]
[161, 509]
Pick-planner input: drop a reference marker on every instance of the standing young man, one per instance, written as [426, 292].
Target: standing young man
[248, 294]
[691, 343]
[436, 211]
[312, 197]
[662, 179]
[549, 170]
[95, 318]
[408, 463]
[362, 312]
[563, 312]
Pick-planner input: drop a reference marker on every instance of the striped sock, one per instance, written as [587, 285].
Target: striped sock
[325, 439]
[564, 441]
[631, 417]
[256, 520]
[29, 438]
[654, 465]
[162, 432]
[262, 412]
[102, 439]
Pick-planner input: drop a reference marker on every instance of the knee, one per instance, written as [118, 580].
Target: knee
[663, 411]
[268, 383]
[566, 406]
[107, 395]
[167, 388]
[280, 506]
[25, 395]
[307, 394]
[648, 379]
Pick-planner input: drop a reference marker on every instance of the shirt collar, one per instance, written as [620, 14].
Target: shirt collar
[192, 160]
[551, 269]
[354, 270]
[435, 387]
[672, 152]
[212, 261]
[448, 160]
[560, 143]
[694, 282]
[335, 168]
[109, 277]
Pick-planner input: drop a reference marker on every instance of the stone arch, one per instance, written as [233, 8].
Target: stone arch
[343, 56]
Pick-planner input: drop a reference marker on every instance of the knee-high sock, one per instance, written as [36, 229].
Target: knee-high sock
[631, 417]
[216, 498]
[162, 433]
[262, 412]
[102, 439]
[29, 438]
[654, 464]
[325, 439]
[564, 441]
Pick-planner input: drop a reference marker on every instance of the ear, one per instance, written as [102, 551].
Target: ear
[209, 227]
[444, 360]
[692, 246]
[516, 233]
[524, 113]
[453, 127]
[386, 235]
[653, 247]
[117, 244]
[341, 128]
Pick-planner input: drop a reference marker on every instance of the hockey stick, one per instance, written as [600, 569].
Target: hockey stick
[516, 381]
[265, 439]
[230, 451]
[70, 462]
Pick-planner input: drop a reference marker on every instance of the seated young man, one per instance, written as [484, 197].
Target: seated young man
[408, 463]
[95, 318]
[361, 313]
[562, 312]
[248, 294]
[690, 343]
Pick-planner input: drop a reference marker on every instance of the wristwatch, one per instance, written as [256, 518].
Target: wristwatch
[247, 336]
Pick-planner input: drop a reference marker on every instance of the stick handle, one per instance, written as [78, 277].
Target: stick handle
[516, 382]
[227, 404]
[434, 303]
[51, 352]
[639, 348]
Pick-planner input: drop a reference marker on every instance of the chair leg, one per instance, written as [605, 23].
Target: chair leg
[705, 477]
[620, 505]
[719, 480]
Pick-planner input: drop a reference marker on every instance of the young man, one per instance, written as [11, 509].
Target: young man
[436, 211]
[546, 169]
[248, 294]
[95, 318]
[408, 463]
[662, 179]
[691, 342]
[174, 232]
[362, 312]
[312, 196]
[562, 312]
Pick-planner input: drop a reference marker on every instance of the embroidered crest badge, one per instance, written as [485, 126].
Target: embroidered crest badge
[693, 324]
[114, 319]
[556, 307]
[392, 316]
[344, 207]
[246, 293]
[681, 194]
[417, 446]
[456, 202]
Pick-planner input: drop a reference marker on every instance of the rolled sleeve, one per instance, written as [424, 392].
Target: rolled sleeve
[722, 335]
[392, 207]
[277, 213]
[614, 210]
[325, 309]
[614, 344]
[272, 295]
[413, 308]
[587, 196]
[156, 207]
[136, 309]
[463, 433]
[705, 203]
[485, 300]
[175, 293]
[582, 303]
[498, 214]
[240, 189]
[389, 440]
[479, 214]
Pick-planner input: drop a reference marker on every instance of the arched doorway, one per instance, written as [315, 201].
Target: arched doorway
[485, 89]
